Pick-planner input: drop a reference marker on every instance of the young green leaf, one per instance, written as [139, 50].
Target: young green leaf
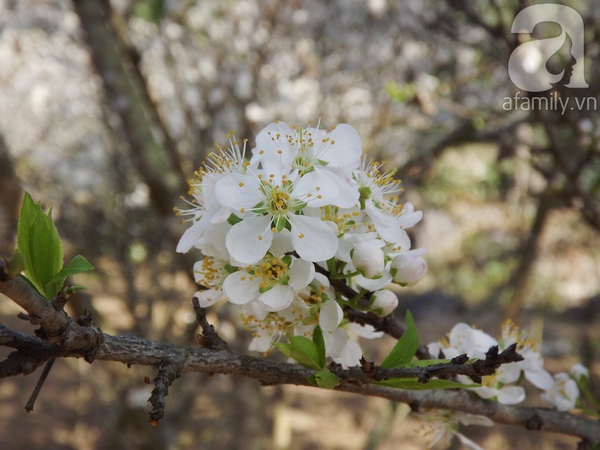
[77, 265]
[324, 379]
[406, 347]
[319, 341]
[303, 350]
[39, 243]
[414, 385]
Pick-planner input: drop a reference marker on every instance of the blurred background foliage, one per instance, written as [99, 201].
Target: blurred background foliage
[107, 108]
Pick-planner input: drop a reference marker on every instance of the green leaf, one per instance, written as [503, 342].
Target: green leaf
[15, 265]
[425, 363]
[414, 385]
[324, 379]
[39, 243]
[75, 288]
[406, 347]
[319, 341]
[77, 265]
[303, 350]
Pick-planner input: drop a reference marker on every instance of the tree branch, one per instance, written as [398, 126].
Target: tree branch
[84, 339]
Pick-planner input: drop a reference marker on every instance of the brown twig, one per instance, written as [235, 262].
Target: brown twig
[457, 366]
[38, 386]
[209, 337]
[167, 374]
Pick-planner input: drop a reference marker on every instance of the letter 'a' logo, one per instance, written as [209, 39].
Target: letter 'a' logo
[527, 63]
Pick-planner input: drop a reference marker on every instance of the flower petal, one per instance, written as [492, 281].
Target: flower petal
[238, 191]
[249, 240]
[541, 379]
[345, 147]
[301, 274]
[190, 237]
[348, 194]
[511, 395]
[272, 138]
[240, 287]
[277, 298]
[331, 315]
[312, 238]
[208, 297]
[316, 189]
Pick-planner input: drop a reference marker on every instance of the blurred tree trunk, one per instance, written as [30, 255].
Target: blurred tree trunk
[125, 95]
[10, 200]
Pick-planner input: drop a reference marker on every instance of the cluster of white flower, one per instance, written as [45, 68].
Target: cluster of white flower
[560, 391]
[442, 425]
[305, 198]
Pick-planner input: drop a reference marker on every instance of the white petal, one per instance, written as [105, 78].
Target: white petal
[208, 297]
[272, 138]
[282, 243]
[190, 237]
[315, 189]
[468, 442]
[364, 331]
[335, 342]
[301, 273]
[241, 287]
[346, 149]
[410, 220]
[330, 316]
[374, 284]
[511, 395]
[473, 419]
[350, 355]
[348, 194]
[312, 238]
[249, 240]
[261, 343]
[277, 298]
[541, 379]
[387, 226]
[238, 191]
[213, 241]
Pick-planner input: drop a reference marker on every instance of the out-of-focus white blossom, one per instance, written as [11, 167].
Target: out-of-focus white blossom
[579, 372]
[563, 394]
[442, 425]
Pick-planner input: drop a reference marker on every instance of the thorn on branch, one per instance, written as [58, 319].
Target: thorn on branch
[167, 374]
[460, 359]
[209, 338]
[368, 367]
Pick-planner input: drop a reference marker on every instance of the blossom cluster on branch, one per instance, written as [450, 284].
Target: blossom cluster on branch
[304, 197]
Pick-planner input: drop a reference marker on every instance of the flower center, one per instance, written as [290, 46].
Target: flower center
[279, 201]
[273, 271]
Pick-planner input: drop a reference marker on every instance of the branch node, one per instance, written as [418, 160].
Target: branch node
[209, 338]
[460, 359]
[535, 423]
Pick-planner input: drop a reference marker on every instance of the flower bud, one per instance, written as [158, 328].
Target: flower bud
[408, 269]
[579, 371]
[369, 258]
[384, 302]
